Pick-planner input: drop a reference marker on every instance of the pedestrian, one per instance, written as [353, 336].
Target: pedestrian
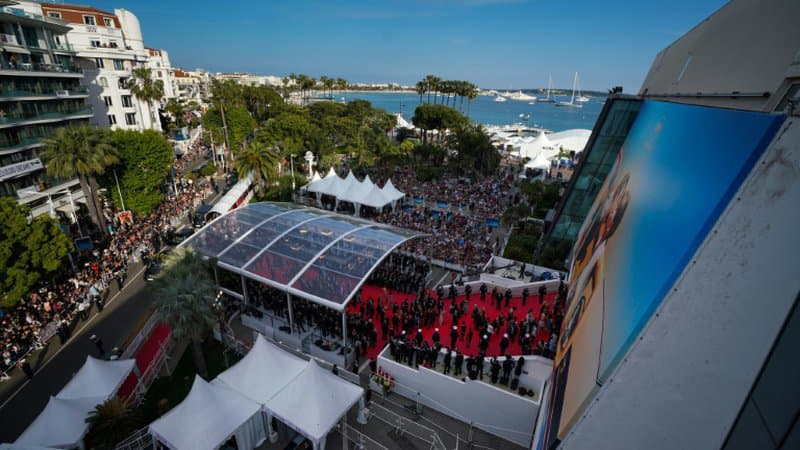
[542, 293]
[454, 336]
[98, 343]
[26, 367]
[447, 357]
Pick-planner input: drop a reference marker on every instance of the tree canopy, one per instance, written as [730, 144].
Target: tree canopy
[145, 158]
[28, 251]
[240, 124]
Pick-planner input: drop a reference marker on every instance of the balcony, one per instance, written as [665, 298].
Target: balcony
[40, 69]
[16, 145]
[42, 94]
[26, 118]
[62, 47]
[9, 39]
[27, 15]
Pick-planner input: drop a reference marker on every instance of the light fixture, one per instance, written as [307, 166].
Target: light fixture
[326, 233]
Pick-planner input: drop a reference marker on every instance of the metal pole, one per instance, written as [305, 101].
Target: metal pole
[119, 191]
[291, 164]
[344, 336]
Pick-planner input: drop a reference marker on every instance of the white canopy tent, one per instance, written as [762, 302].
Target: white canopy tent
[403, 123]
[232, 196]
[540, 162]
[98, 378]
[208, 417]
[392, 192]
[314, 402]
[264, 361]
[62, 423]
[571, 140]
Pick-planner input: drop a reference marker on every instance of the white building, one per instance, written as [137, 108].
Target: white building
[192, 85]
[108, 47]
[158, 62]
[249, 79]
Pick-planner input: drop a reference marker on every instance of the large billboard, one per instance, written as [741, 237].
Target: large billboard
[675, 174]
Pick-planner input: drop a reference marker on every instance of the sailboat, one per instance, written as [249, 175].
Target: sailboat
[548, 99]
[580, 98]
[571, 103]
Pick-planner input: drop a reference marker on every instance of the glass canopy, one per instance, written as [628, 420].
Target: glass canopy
[319, 255]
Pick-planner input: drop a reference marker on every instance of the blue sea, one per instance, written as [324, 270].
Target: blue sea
[486, 111]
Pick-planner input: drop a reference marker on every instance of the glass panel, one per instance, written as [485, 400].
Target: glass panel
[326, 284]
[307, 240]
[275, 267]
[222, 233]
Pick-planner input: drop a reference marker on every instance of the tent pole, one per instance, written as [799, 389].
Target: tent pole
[244, 291]
[291, 320]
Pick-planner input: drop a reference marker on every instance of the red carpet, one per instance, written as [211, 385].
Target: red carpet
[532, 304]
[145, 357]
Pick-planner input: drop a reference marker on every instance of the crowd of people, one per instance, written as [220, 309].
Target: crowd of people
[56, 305]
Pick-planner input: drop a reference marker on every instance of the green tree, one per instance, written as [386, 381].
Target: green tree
[475, 152]
[28, 251]
[260, 160]
[184, 298]
[110, 423]
[145, 158]
[239, 121]
[83, 152]
[146, 89]
[176, 110]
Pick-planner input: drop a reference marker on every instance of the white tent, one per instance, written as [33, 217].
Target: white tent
[97, 378]
[232, 196]
[571, 140]
[314, 402]
[540, 162]
[263, 362]
[208, 417]
[61, 424]
[315, 177]
[403, 123]
[321, 186]
[340, 188]
[375, 197]
[392, 192]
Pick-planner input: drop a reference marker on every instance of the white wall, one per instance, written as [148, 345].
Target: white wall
[487, 407]
[683, 382]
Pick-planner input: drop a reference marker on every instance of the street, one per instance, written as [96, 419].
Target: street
[113, 325]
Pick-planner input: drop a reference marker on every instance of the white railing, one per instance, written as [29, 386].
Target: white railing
[159, 362]
[404, 426]
[361, 440]
[141, 337]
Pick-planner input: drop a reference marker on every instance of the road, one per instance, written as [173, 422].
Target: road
[112, 326]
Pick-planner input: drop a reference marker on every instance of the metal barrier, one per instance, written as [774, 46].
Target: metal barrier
[404, 426]
[361, 440]
[140, 337]
[139, 440]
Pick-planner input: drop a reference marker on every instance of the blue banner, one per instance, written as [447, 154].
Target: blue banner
[493, 222]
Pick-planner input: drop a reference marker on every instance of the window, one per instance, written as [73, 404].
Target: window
[158, 74]
[127, 102]
[108, 22]
[112, 119]
[94, 43]
[118, 65]
[108, 101]
[99, 63]
[130, 118]
[89, 20]
[103, 82]
[53, 14]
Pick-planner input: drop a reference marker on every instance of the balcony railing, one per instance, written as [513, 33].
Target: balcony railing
[40, 67]
[19, 117]
[29, 15]
[20, 168]
[62, 47]
[78, 90]
[17, 144]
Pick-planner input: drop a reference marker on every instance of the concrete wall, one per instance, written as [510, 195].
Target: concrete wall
[747, 46]
[487, 407]
[683, 382]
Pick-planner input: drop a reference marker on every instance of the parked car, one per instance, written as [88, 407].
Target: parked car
[199, 218]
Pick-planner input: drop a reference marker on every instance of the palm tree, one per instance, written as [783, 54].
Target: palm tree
[176, 110]
[110, 423]
[83, 152]
[420, 88]
[431, 84]
[471, 93]
[258, 159]
[146, 89]
[184, 298]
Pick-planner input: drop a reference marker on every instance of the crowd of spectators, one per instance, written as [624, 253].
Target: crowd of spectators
[56, 305]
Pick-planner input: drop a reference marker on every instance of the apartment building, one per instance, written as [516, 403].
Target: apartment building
[158, 62]
[108, 46]
[40, 91]
[192, 85]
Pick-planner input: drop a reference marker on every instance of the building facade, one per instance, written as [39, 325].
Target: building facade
[40, 91]
[161, 68]
[108, 46]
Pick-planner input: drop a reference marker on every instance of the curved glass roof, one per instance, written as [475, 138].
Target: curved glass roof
[311, 253]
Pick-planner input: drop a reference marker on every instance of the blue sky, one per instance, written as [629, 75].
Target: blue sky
[494, 43]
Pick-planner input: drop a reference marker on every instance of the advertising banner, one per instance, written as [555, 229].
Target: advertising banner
[675, 174]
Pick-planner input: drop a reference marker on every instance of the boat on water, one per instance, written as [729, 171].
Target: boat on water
[571, 103]
[580, 98]
[519, 96]
[500, 99]
[549, 98]
[525, 117]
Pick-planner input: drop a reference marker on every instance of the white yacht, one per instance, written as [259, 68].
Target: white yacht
[571, 103]
[500, 99]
